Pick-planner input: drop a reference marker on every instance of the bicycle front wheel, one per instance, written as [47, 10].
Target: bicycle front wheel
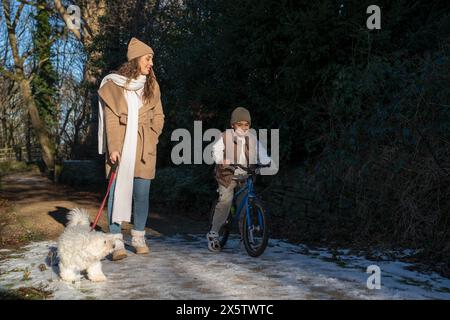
[256, 229]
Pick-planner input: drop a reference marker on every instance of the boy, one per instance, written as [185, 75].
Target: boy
[236, 146]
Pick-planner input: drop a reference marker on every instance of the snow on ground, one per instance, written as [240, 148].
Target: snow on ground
[181, 267]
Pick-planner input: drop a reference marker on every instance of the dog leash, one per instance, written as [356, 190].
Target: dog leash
[111, 179]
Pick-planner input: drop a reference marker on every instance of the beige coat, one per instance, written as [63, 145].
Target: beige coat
[151, 123]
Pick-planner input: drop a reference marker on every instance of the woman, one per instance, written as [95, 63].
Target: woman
[131, 119]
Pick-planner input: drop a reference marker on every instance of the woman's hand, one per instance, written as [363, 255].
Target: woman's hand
[114, 156]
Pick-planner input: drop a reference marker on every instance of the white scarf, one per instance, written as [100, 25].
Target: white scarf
[123, 193]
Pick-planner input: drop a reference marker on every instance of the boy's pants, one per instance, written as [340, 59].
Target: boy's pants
[224, 205]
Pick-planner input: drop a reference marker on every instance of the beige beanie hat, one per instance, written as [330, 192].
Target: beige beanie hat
[240, 114]
[137, 48]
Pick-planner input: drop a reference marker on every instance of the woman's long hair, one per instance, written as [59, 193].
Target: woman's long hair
[130, 69]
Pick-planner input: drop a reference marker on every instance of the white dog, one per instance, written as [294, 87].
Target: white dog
[79, 249]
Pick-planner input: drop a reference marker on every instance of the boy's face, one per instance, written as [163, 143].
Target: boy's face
[243, 125]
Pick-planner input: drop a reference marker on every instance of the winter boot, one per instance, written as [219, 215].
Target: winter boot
[119, 248]
[138, 242]
[213, 241]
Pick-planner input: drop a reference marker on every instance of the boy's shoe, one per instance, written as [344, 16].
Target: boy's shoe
[119, 252]
[213, 241]
[138, 242]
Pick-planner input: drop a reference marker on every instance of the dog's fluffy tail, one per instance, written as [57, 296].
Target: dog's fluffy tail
[78, 217]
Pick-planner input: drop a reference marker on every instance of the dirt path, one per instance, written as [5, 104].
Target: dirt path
[37, 210]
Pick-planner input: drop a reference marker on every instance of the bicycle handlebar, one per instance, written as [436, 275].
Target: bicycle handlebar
[251, 170]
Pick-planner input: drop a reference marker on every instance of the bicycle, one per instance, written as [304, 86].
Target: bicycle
[255, 224]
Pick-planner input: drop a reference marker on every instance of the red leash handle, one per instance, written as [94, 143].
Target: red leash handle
[111, 179]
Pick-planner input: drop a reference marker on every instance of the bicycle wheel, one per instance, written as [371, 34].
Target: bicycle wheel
[256, 231]
[224, 231]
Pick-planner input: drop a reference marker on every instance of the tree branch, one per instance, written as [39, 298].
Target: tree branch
[8, 74]
[12, 38]
[49, 42]
[17, 16]
[34, 72]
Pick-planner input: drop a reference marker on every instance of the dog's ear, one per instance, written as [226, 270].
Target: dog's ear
[108, 240]
[111, 238]
[101, 241]
[103, 246]
[96, 246]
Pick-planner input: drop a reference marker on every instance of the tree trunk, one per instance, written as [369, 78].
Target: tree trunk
[4, 132]
[48, 153]
[93, 10]
[28, 139]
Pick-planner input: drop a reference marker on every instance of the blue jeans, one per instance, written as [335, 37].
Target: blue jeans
[141, 191]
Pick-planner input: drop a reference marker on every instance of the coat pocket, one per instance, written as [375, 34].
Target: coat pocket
[150, 114]
[153, 141]
[123, 119]
[152, 150]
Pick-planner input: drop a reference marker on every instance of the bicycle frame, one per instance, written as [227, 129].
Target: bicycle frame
[250, 194]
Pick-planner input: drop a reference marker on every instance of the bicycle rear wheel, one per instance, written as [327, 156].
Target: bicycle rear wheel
[224, 231]
[256, 229]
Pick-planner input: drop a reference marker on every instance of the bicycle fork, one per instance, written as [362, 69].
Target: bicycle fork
[250, 225]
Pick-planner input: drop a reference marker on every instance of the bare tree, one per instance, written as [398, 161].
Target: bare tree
[23, 79]
[91, 11]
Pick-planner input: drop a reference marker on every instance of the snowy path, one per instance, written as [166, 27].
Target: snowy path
[180, 267]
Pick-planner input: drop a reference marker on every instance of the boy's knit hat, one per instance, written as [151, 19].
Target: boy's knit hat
[240, 114]
[137, 48]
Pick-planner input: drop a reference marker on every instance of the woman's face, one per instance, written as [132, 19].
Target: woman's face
[145, 64]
